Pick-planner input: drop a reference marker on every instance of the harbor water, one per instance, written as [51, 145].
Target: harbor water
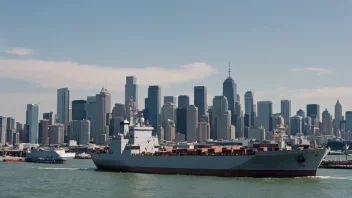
[79, 178]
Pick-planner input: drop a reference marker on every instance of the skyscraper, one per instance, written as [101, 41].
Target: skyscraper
[43, 132]
[91, 113]
[154, 105]
[32, 119]
[169, 99]
[192, 123]
[338, 117]
[79, 109]
[183, 101]
[80, 131]
[203, 130]
[286, 113]
[249, 108]
[103, 107]
[200, 100]
[119, 111]
[168, 112]
[229, 90]
[63, 105]
[10, 129]
[296, 125]
[131, 92]
[264, 114]
[326, 128]
[181, 121]
[56, 134]
[301, 113]
[221, 118]
[277, 121]
[49, 116]
[3, 127]
[348, 119]
[313, 111]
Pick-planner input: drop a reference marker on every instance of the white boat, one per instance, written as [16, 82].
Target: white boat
[63, 153]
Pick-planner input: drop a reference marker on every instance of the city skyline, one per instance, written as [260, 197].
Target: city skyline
[275, 61]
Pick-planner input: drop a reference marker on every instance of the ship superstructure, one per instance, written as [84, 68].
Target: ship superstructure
[138, 150]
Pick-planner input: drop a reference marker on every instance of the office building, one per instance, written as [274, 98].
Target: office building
[192, 123]
[296, 125]
[229, 90]
[79, 109]
[301, 113]
[3, 127]
[119, 111]
[257, 133]
[168, 112]
[327, 126]
[10, 129]
[277, 121]
[56, 134]
[313, 111]
[338, 117]
[221, 118]
[32, 120]
[170, 99]
[80, 131]
[249, 108]
[264, 115]
[114, 127]
[169, 131]
[50, 116]
[181, 121]
[44, 132]
[131, 93]
[200, 100]
[103, 106]
[286, 114]
[307, 126]
[183, 101]
[203, 130]
[63, 107]
[91, 112]
[154, 105]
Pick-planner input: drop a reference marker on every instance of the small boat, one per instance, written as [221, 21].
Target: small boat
[13, 159]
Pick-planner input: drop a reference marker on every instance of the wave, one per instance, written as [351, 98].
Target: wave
[333, 177]
[50, 168]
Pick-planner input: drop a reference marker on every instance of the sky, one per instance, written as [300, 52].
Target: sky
[297, 50]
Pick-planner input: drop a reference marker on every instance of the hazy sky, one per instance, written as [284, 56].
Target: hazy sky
[298, 50]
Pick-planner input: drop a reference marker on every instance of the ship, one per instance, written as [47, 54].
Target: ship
[137, 150]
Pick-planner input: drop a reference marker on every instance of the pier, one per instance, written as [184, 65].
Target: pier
[336, 164]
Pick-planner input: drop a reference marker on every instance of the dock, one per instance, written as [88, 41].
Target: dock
[336, 164]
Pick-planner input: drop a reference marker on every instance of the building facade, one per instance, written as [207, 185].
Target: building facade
[79, 109]
[200, 100]
[131, 93]
[32, 120]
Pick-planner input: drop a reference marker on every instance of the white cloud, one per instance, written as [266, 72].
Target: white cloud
[51, 74]
[319, 71]
[19, 51]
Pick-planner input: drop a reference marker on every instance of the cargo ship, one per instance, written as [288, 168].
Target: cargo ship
[137, 150]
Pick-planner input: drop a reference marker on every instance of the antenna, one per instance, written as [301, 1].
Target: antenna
[106, 84]
[229, 69]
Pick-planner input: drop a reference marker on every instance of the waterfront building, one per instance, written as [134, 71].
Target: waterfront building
[192, 123]
[103, 102]
[49, 116]
[161, 133]
[154, 105]
[63, 107]
[257, 133]
[16, 139]
[80, 131]
[170, 99]
[119, 111]
[44, 132]
[200, 100]
[183, 101]
[10, 129]
[3, 133]
[264, 118]
[56, 134]
[286, 114]
[348, 119]
[79, 109]
[131, 93]
[32, 120]
[91, 112]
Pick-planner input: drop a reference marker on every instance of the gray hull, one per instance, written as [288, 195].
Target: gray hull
[263, 164]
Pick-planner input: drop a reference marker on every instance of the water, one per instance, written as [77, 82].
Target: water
[79, 178]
